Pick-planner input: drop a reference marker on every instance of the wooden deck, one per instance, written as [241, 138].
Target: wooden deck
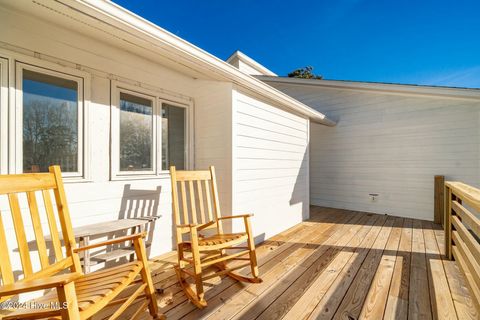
[337, 265]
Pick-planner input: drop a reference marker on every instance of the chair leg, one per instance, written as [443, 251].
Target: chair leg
[147, 278]
[251, 248]
[67, 298]
[253, 263]
[197, 270]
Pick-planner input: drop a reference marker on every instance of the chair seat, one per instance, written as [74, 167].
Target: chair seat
[217, 239]
[224, 238]
[92, 288]
[220, 238]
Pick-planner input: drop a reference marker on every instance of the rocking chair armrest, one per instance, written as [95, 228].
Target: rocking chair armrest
[206, 225]
[46, 282]
[191, 226]
[111, 241]
[188, 225]
[248, 215]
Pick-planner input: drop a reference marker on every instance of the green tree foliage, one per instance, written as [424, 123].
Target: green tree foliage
[304, 73]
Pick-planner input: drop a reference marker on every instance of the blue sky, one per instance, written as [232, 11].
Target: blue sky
[415, 42]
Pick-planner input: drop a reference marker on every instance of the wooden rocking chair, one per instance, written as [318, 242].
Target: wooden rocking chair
[209, 249]
[75, 295]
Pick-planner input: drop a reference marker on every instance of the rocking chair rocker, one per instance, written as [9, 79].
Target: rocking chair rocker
[209, 249]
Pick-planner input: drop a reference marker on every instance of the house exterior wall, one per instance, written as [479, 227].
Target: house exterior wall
[270, 165]
[213, 132]
[268, 177]
[390, 144]
[99, 196]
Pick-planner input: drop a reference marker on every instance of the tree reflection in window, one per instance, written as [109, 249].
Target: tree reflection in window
[50, 122]
[136, 133]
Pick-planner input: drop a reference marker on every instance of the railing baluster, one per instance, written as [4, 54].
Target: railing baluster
[448, 224]
[462, 232]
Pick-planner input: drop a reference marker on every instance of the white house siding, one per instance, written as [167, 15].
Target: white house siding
[270, 166]
[248, 69]
[99, 198]
[213, 132]
[390, 144]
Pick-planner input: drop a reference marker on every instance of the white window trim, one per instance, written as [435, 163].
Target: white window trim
[83, 81]
[159, 98]
[115, 134]
[3, 115]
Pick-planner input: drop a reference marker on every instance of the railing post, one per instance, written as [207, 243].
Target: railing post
[439, 200]
[448, 222]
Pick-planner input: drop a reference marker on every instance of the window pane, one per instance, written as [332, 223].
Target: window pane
[50, 122]
[136, 133]
[173, 137]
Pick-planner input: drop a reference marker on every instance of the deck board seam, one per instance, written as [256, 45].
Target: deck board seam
[337, 315]
[305, 271]
[359, 249]
[295, 237]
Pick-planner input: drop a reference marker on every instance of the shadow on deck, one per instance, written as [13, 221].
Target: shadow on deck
[338, 264]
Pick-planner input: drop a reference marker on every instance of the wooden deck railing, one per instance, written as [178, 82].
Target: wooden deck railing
[462, 231]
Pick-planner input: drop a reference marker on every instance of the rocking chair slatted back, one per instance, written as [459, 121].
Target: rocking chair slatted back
[31, 185]
[198, 193]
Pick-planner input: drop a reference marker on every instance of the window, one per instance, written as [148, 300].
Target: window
[173, 137]
[3, 116]
[149, 134]
[136, 133]
[133, 133]
[51, 111]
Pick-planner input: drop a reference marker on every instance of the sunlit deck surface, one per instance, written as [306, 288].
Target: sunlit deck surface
[339, 264]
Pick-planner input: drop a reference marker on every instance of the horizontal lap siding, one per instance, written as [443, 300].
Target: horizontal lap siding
[270, 165]
[213, 135]
[389, 144]
[99, 198]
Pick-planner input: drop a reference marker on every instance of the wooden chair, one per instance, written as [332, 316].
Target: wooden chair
[201, 213]
[83, 294]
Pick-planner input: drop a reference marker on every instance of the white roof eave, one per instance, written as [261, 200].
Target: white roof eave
[110, 15]
[389, 88]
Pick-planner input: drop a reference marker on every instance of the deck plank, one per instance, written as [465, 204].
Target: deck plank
[397, 300]
[419, 294]
[440, 296]
[270, 275]
[254, 310]
[277, 274]
[342, 264]
[316, 290]
[267, 254]
[352, 302]
[374, 305]
[278, 308]
[332, 299]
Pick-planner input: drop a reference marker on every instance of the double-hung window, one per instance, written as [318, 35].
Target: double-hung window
[49, 120]
[149, 134]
